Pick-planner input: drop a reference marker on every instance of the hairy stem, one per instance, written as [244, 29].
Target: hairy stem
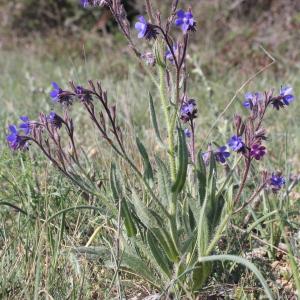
[170, 129]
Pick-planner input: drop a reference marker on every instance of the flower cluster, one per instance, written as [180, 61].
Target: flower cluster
[66, 98]
[185, 21]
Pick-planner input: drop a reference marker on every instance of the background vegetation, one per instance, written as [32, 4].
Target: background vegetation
[44, 41]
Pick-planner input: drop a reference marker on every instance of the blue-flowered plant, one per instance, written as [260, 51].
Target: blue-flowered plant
[173, 219]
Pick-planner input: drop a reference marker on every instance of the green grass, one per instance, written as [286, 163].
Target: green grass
[39, 259]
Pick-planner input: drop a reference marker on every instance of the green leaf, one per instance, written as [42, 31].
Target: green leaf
[148, 173]
[137, 266]
[183, 164]
[115, 185]
[154, 120]
[166, 243]
[201, 176]
[164, 182]
[128, 219]
[158, 254]
[201, 273]
[143, 212]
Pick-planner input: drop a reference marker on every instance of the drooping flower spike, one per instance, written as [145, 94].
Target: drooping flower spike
[145, 29]
[55, 120]
[185, 21]
[83, 94]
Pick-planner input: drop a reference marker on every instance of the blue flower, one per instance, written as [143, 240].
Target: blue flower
[252, 99]
[221, 154]
[188, 110]
[15, 140]
[60, 96]
[185, 20]
[286, 93]
[187, 133]
[145, 29]
[169, 55]
[236, 143]
[26, 125]
[285, 97]
[55, 120]
[276, 182]
[85, 3]
[54, 94]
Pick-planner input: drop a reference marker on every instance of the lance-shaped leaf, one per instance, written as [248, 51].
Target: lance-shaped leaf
[154, 120]
[183, 164]
[142, 211]
[164, 182]
[137, 266]
[148, 173]
[158, 254]
[201, 176]
[166, 243]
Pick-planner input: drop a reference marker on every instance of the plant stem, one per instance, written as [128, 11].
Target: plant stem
[247, 168]
[170, 129]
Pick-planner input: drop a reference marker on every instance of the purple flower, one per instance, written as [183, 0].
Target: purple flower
[221, 154]
[187, 133]
[15, 140]
[54, 94]
[285, 97]
[257, 151]
[145, 29]
[188, 110]
[26, 125]
[169, 55]
[55, 120]
[85, 3]
[276, 182]
[252, 99]
[286, 93]
[236, 143]
[185, 20]
[60, 96]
